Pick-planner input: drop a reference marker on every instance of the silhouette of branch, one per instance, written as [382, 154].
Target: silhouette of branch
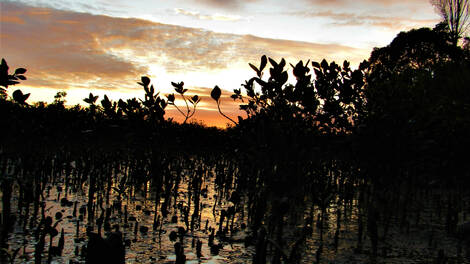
[179, 110]
[220, 111]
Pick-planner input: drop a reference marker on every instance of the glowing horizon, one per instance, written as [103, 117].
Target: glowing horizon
[104, 47]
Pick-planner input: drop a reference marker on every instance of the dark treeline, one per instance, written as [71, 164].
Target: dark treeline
[385, 142]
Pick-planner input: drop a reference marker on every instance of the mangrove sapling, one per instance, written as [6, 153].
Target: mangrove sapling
[372, 231]
[156, 222]
[338, 226]
[280, 209]
[221, 221]
[6, 186]
[194, 100]
[196, 184]
[91, 194]
[77, 230]
[189, 201]
[99, 224]
[200, 216]
[261, 247]
[167, 193]
[39, 247]
[198, 249]
[109, 183]
[11, 255]
[36, 197]
[185, 211]
[215, 94]
[52, 233]
[45, 228]
[228, 216]
[28, 198]
[179, 252]
[232, 211]
[451, 216]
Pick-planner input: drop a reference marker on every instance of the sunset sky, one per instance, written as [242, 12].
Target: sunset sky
[104, 46]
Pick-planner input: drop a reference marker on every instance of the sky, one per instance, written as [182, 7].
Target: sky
[105, 46]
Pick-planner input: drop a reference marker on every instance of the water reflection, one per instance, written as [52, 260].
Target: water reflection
[209, 217]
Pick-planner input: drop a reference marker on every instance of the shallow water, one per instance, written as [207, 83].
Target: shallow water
[155, 246]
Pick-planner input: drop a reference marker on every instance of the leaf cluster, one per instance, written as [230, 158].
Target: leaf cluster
[7, 79]
[10, 79]
[331, 100]
[194, 100]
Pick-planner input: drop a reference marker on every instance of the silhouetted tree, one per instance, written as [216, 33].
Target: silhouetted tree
[59, 98]
[395, 73]
[415, 88]
[456, 14]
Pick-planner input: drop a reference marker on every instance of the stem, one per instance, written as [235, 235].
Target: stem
[187, 107]
[220, 111]
[194, 111]
[179, 110]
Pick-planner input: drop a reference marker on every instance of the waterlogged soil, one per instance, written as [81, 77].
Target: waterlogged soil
[417, 243]
[153, 246]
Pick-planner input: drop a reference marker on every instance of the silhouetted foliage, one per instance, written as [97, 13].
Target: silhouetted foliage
[59, 98]
[216, 95]
[9, 79]
[194, 100]
[153, 103]
[377, 146]
[331, 102]
[20, 98]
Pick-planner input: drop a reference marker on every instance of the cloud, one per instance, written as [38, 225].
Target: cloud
[68, 51]
[226, 4]
[197, 15]
[364, 2]
[100, 6]
[58, 48]
[78, 47]
[354, 19]
[297, 50]
[385, 14]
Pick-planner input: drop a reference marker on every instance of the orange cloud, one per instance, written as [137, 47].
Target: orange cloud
[11, 19]
[56, 51]
[69, 50]
[298, 50]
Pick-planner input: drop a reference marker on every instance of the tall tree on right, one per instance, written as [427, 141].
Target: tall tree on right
[456, 13]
